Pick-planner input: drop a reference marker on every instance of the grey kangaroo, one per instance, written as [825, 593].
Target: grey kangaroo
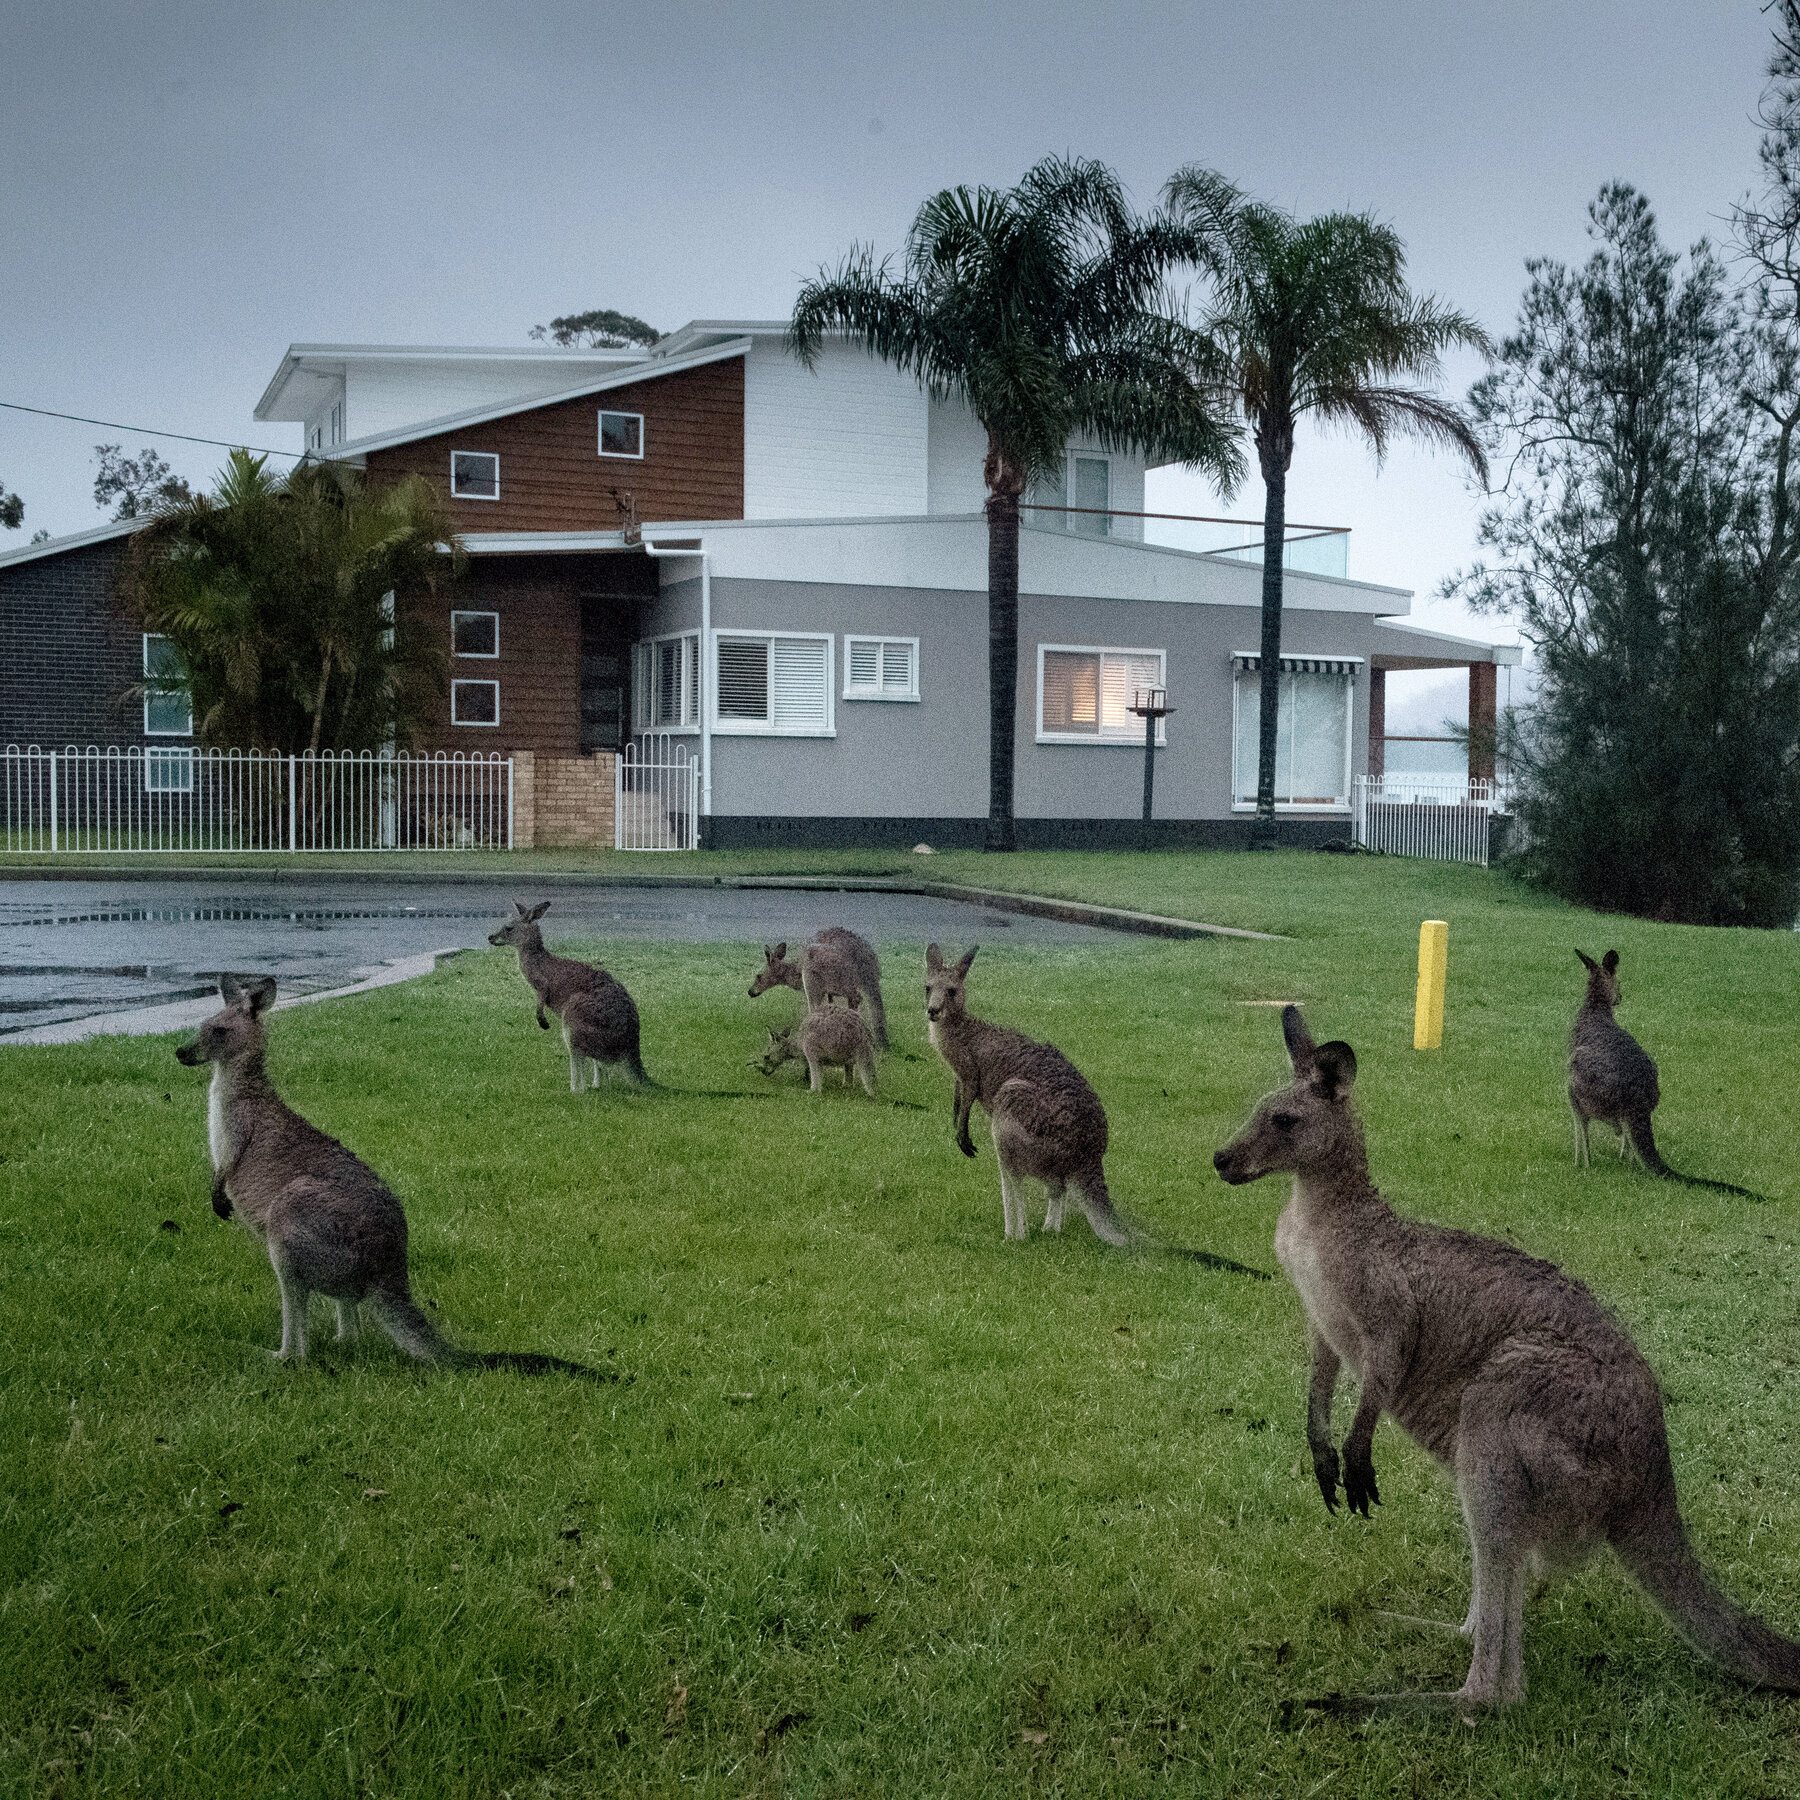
[1508, 1371]
[1047, 1122]
[599, 1019]
[834, 964]
[828, 1037]
[1612, 1079]
[328, 1221]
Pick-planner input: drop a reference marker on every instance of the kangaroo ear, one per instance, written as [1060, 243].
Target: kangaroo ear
[934, 958]
[538, 911]
[1588, 960]
[519, 911]
[962, 968]
[778, 953]
[261, 995]
[229, 990]
[1299, 1041]
[1334, 1069]
[1610, 961]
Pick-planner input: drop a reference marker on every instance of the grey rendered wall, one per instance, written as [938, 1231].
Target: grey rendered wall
[928, 761]
[66, 655]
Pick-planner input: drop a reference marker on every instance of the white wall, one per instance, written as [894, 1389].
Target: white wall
[388, 396]
[844, 439]
[958, 448]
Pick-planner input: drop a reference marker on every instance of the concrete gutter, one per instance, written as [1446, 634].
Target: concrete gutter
[182, 1015]
[1070, 912]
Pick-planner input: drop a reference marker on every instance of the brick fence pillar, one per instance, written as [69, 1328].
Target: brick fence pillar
[524, 799]
[575, 802]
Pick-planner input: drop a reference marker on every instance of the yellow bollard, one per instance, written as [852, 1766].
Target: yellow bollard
[1434, 965]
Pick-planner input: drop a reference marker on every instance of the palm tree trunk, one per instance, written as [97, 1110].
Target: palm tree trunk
[1003, 660]
[318, 705]
[1262, 827]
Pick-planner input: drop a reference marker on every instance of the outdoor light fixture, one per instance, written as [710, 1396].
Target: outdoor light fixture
[1150, 704]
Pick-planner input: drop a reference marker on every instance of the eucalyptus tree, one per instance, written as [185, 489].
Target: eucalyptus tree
[294, 604]
[1040, 308]
[1313, 319]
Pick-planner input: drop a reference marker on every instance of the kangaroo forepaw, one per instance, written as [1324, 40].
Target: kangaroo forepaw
[963, 1144]
[1360, 1491]
[221, 1201]
[1325, 1467]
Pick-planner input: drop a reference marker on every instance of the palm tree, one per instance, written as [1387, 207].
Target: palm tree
[1314, 317]
[1037, 307]
[276, 593]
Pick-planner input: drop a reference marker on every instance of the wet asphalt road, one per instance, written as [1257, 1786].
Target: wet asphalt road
[80, 949]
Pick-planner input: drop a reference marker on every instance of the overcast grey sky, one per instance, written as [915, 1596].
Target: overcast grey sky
[187, 188]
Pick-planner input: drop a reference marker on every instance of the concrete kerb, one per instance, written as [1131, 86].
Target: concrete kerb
[1043, 906]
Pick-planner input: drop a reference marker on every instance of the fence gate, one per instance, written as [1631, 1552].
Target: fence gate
[656, 795]
[181, 797]
[1440, 816]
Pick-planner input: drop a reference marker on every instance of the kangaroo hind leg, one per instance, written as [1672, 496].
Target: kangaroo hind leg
[1012, 1202]
[294, 1296]
[1053, 1207]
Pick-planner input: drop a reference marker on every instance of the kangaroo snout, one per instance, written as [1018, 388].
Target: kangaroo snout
[1232, 1166]
[189, 1054]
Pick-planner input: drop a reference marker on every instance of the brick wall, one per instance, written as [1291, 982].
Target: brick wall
[67, 655]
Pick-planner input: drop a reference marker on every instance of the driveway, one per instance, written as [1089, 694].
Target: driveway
[80, 951]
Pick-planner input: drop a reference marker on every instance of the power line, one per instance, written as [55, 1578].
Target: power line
[145, 431]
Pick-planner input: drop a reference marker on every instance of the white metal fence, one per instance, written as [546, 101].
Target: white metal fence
[1440, 816]
[656, 795]
[178, 797]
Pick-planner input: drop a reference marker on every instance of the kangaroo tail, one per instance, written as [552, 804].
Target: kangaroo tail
[1664, 1563]
[879, 1014]
[528, 1362]
[1643, 1141]
[1096, 1202]
[410, 1329]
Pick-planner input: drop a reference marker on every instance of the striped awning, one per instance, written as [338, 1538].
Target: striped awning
[1247, 661]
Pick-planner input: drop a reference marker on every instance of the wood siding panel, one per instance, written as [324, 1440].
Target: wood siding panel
[553, 477]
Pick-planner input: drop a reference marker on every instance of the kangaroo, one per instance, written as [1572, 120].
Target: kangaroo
[329, 1223]
[831, 1036]
[1507, 1370]
[858, 954]
[1046, 1121]
[599, 1019]
[823, 974]
[1611, 1078]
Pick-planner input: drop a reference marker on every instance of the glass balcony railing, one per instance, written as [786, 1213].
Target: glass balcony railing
[1308, 550]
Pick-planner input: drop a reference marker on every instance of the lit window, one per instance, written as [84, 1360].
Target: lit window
[1312, 731]
[1085, 696]
[881, 668]
[474, 475]
[770, 683]
[475, 633]
[474, 703]
[621, 434]
[168, 706]
[665, 684]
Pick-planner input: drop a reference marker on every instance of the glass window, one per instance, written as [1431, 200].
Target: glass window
[621, 434]
[168, 706]
[881, 668]
[168, 771]
[772, 683]
[1088, 693]
[474, 475]
[665, 683]
[1312, 738]
[474, 703]
[1090, 490]
[474, 633]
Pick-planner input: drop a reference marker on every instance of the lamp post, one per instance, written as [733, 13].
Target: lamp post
[1150, 704]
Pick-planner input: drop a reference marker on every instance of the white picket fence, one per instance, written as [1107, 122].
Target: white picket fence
[1440, 816]
[656, 795]
[178, 797]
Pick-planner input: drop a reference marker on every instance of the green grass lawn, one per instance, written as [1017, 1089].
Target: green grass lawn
[879, 1503]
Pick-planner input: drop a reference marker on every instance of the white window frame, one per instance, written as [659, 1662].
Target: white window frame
[166, 761]
[878, 692]
[463, 612]
[1065, 520]
[150, 731]
[492, 724]
[337, 422]
[1334, 809]
[644, 664]
[762, 728]
[614, 412]
[457, 493]
[1100, 737]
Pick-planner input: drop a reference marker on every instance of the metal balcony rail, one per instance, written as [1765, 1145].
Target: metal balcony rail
[1443, 817]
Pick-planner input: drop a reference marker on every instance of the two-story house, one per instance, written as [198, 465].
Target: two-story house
[781, 573]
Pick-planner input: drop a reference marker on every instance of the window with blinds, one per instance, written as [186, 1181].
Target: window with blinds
[665, 684]
[770, 682]
[1084, 696]
[881, 668]
[1312, 733]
